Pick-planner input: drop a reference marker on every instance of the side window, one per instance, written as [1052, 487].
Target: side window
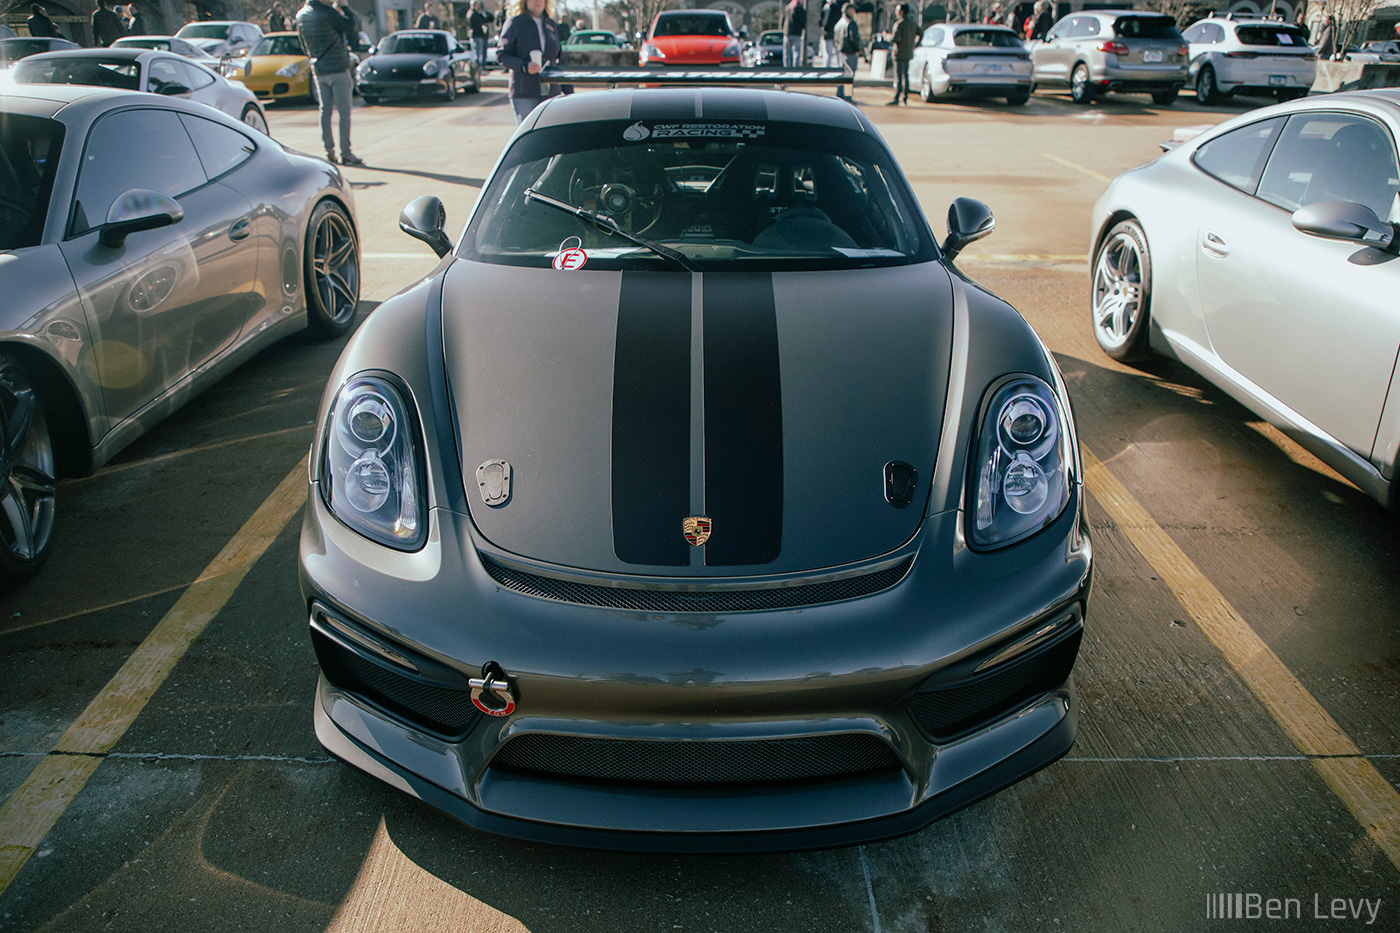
[935, 37]
[195, 76]
[1237, 157]
[163, 74]
[220, 149]
[1215, 33]
[119, 156]
[1332, 157]
[1085, 26]
[1195, 34]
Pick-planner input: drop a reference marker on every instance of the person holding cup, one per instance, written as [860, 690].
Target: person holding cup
[529, 42]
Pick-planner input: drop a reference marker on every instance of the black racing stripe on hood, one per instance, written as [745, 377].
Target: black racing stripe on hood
[651, 419]
[743, 420]
[735, 107]
[666, 104]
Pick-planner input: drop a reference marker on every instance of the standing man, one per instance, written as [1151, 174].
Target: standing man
[478, 22]
[136, 25]
[106, 25]
[794, 43]
[40, 26]
[831, 15]
[276, 22]
[325, 31]
[849, 44]
[428, 19]
[904, 38]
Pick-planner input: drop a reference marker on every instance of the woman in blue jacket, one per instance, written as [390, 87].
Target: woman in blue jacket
[529, 30]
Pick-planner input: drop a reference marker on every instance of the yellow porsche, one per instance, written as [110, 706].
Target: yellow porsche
[277, 68]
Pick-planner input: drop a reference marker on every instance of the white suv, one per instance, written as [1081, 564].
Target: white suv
[1251, 55]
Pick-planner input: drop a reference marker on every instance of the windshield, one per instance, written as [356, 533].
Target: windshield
[29, 149]
[120, 73]
[764, 196]
[772, 37]
[593, 38]
[692, 25]
[204, 31]
[1146, 27]
[142, 43]
[419, 44]
[19, 47]
[279, 45]
[995, 38]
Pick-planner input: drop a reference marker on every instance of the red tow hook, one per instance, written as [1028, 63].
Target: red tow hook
[492, 692]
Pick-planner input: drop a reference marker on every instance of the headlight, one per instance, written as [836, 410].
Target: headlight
[289, 71]
[650, 52]
[364, 71]
[732, 50]
[431, 68]
[370, 476]
[1020, 480]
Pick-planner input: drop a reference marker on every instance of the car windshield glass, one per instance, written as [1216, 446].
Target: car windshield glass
[994, 38]
[765, 196]
[14, 49]
[161, 44]
[593, 38]
[771, 38]
[692, 26]
[118, 73]
[279, 45]
[414, 45]
[1287, 36]
[1146, 27]
[204, 31]
[29, 149]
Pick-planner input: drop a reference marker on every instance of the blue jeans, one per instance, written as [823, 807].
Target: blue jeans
[479, 47]
[523, 106]
[792, 51]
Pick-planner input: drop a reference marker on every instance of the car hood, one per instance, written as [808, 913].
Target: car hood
[768, 403]
[268, 64]
[692, 48]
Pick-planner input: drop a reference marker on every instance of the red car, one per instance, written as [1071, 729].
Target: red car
[692, 37]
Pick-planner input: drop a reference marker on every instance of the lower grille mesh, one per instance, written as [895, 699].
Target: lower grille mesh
[947, 712]
[753, 761]
[654, 600]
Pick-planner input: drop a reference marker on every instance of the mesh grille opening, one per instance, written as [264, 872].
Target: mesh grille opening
[946, 713]
[752, 761]
[430, 707]
[653, 600]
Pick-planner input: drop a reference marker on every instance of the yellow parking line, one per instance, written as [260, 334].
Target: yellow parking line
[36, 806]
[1361, 788]
[1097, 176]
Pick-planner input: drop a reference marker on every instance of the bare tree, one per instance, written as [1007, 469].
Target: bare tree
[636, 15]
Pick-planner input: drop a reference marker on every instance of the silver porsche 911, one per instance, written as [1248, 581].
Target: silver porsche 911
[696, 501]
[1262, 254]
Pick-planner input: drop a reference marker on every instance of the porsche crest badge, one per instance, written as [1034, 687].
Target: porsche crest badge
[696, 529]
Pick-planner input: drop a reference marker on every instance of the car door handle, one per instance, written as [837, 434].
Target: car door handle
[1213, 244]
[240, 229]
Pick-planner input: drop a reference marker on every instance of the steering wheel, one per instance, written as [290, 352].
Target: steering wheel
[635, 209]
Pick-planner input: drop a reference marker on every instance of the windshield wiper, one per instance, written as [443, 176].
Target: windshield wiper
[609, 226]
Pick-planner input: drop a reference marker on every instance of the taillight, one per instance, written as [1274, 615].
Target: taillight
[1310, 57]
[1114, 48]
[1183, 50]
[1241, 54]
[956, 55]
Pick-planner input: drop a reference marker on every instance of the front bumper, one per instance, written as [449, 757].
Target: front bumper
[895, 672]
[379, 87]
[271, 87]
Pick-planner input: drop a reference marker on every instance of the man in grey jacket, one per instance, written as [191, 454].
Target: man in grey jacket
[325, 31]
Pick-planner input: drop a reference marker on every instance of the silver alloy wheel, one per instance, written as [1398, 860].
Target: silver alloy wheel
[925, 86]
[1117, 290]
[1079, 85]
[1205, 86]
[253, 117]
[29, 489]
[335, 267]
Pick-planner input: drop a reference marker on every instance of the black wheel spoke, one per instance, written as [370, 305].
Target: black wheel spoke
[16, 526]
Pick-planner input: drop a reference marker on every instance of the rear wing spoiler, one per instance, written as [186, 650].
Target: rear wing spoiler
[674, 76]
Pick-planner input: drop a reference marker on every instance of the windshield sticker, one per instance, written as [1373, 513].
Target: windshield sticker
[637, 132]
[570, 258]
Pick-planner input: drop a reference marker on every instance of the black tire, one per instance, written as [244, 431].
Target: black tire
[1080, 89]
[1165, 97]
[449, 93]
[925, 87]
[1121, 293]
[331, 269]
[1207, 92]
[29, 492]
[369, 99]
[475, 86]
[1018, 98]
[253, 116]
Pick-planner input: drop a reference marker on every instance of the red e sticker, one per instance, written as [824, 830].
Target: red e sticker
[570, 259]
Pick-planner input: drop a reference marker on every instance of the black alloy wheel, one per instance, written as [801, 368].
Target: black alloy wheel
[30, 488]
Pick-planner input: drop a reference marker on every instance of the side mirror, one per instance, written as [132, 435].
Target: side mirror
[136, 210]
[423, 219]
[969, 220]
[1345, 220]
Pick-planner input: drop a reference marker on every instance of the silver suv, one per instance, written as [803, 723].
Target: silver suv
[1098, 51]
[1251, 55]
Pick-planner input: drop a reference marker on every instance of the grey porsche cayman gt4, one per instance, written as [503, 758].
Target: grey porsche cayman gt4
[696, 501]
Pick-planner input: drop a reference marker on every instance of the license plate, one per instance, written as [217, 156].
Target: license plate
[991, 69]
[1277, 80]
[1151, 58]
